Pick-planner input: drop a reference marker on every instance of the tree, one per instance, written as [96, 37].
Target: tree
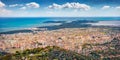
[95, 55]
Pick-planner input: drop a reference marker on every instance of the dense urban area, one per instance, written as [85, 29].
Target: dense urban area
[65, 44]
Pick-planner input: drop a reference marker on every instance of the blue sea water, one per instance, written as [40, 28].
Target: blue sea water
[9, 24]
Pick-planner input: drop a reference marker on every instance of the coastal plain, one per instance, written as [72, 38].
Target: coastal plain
[82, 39]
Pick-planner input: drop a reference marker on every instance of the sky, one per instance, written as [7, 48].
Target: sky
[59, 8]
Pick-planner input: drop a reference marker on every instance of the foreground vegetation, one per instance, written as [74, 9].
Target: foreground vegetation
[47, 53]
[56, 53]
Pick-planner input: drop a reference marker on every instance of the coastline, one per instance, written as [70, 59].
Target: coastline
[65, 24]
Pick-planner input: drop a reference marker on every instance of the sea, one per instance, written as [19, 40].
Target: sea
[17, 23]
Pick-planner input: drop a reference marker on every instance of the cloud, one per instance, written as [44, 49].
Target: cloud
[55, 6]
[33, 5]
[30, 5]
[50, 12]
[23, 8]
[15, 5]
[70, 6]
[118, 7]
[1, 4]
[26, 6]
[105, 7]
[4, 12]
